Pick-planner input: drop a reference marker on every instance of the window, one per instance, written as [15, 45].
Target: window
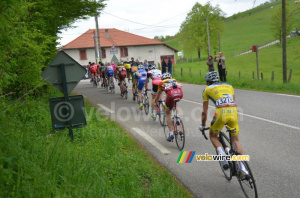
[103, 53]
[82, 54]
[124, 51]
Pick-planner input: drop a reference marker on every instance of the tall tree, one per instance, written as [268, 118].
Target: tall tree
[28, 39]
[193, 31]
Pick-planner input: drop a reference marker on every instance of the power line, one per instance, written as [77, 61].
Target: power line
[170, 26]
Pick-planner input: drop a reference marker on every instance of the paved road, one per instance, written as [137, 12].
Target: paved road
[270, 134]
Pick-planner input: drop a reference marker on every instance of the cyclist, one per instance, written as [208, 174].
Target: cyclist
[94, 71]
[173, 92]
[102, 74]
[155, 75]
[128, 68]
[134, 68]
[121, 76]
[139, 79]
[109, 71]
[222, 95]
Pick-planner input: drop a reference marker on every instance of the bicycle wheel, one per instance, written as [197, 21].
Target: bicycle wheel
[161, 114]
[95, 82]
[112, 87]
[146, 105]
[247, 183]
[125, 93]
[179, 133]
[165, 126]
[225, 143]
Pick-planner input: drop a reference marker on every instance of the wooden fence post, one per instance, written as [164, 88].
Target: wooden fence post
[290, 75]
[239, 74]
[200, 72]
[181, 71]
[262, 75]
[272, 78]
[253, 75]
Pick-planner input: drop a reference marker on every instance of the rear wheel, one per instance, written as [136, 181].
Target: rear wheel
[225, 143]
[179, 133]
[247, 182]
[146, 105]
[164, 124]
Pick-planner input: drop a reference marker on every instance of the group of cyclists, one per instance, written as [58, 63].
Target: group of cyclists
[221, 94]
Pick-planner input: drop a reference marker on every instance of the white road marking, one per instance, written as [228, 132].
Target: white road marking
[105, 108]
[288, 95]
[251, 116]
[152, 141]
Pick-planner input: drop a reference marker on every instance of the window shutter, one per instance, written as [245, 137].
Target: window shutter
[82, 54]
[103, 53]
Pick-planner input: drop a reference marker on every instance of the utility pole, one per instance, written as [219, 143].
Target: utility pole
[284, 42]
[98, 40]
[219, 42]
[95, 43]
[207, 27]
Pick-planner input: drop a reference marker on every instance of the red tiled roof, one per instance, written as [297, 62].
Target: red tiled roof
[116, 38]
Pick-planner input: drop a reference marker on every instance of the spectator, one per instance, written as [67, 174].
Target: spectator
[132, 62]
[163, 66]
[170, 66]
[146, 64]
[210, 64]
[220, 59]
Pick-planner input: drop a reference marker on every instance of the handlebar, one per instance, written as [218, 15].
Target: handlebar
[203, 132]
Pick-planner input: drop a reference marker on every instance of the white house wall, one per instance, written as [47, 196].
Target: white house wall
[149, 52]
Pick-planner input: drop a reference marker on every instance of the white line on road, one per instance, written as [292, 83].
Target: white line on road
[105, 108]
[288, 95]
[251, 116]
[152, 141]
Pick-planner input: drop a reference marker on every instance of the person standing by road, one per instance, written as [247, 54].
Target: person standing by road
[170, 66]
[210, 64]
[221, 66]
[146, 65]
[163, 66]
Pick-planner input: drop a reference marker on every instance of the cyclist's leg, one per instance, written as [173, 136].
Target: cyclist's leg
[216, 126]
[233, 125]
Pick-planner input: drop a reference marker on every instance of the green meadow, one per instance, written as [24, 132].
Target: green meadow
[241, 32]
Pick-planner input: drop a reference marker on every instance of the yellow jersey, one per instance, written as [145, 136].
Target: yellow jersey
[220, 93]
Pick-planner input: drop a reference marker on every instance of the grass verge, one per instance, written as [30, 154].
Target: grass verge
[103, 160]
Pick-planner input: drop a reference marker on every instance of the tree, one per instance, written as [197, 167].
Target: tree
[29, 38]
[276, 22]
[193, 31]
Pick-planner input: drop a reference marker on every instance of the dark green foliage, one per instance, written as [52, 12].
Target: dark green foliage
[28, 39]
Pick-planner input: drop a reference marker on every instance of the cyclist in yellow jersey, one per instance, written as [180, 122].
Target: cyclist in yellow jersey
[222, 95]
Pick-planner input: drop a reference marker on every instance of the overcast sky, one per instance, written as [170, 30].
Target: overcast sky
[150, 18]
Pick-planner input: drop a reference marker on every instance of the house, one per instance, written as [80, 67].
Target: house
[123, 45]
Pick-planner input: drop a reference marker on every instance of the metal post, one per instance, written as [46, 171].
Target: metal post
[257, 66]
[66, 95]
[208, 39]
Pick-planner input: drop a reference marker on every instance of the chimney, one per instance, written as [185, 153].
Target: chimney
[106, 33]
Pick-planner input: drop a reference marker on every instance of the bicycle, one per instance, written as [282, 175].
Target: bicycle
[145, 101]
[94, 80]
[178, 127]
[112, 85]
[135, 94]
[124, 93]
[247, 182]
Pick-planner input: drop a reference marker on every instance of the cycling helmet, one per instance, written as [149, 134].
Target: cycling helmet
[166, 75]
[151, 67]
[212, 76]
[140, 67]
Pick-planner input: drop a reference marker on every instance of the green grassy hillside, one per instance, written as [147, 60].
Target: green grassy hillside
[241, 32]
